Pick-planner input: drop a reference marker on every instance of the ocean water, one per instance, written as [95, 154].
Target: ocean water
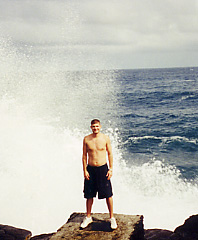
[151, 116]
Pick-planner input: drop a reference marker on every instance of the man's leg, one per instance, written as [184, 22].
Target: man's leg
[110, 206]
[87, 220]
[89, 204]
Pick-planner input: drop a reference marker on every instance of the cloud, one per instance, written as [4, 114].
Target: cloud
[38, 21]
[113, 27]
[140, 24]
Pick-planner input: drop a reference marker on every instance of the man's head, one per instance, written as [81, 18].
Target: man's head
[95, 121]
[95, 126]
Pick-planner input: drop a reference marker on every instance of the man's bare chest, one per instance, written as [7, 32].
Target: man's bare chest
[96, 145]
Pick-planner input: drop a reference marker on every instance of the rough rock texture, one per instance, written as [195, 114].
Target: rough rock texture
[189, 230]
[129, 227]
[12, 233]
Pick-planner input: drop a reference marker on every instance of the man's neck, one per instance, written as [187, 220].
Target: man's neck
[95, 135]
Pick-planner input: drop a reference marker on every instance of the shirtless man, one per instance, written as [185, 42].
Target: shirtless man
[96, 173]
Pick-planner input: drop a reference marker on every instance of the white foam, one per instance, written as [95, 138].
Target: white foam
[42, 180]
[41, 175]
[164, 139]
[41, 170]
[155, 190]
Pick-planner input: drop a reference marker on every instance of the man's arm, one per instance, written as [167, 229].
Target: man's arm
[110, 158]
[84, 160]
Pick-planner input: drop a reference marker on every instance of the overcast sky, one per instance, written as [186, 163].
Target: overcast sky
[122, 33]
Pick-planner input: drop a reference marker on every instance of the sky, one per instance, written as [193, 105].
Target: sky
[107, 34]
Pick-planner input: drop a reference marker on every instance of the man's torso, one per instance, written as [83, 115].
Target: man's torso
[96, 149]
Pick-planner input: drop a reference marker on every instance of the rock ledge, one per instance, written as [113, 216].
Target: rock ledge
[129, 227]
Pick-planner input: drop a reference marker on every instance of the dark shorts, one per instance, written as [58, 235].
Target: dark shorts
[97, 183]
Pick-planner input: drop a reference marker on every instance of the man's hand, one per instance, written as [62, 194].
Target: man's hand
[86, 175]
[109, 174]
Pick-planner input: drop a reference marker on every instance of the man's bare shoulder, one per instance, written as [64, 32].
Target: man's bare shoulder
[88, 137]
[105, 136]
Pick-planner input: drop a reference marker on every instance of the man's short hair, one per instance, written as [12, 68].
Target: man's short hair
[94, 121]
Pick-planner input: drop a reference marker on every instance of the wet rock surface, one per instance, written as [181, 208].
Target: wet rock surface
[187, 231]
[161, 234]
[12, 233]
[43, 236]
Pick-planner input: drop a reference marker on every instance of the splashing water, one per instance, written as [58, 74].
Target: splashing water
[45, 113]
[42, 179]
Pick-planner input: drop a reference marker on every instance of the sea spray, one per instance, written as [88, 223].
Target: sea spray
[41, 175]
[44, 117]
[154, 189]
[45, 113]
[42, 178]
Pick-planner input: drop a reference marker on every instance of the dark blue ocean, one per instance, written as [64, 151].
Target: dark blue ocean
[158, 117]
[151, 116]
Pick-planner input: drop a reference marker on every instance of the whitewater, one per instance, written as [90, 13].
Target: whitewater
[45, 113]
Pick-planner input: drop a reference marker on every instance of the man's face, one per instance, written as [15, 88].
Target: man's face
[96, 128]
